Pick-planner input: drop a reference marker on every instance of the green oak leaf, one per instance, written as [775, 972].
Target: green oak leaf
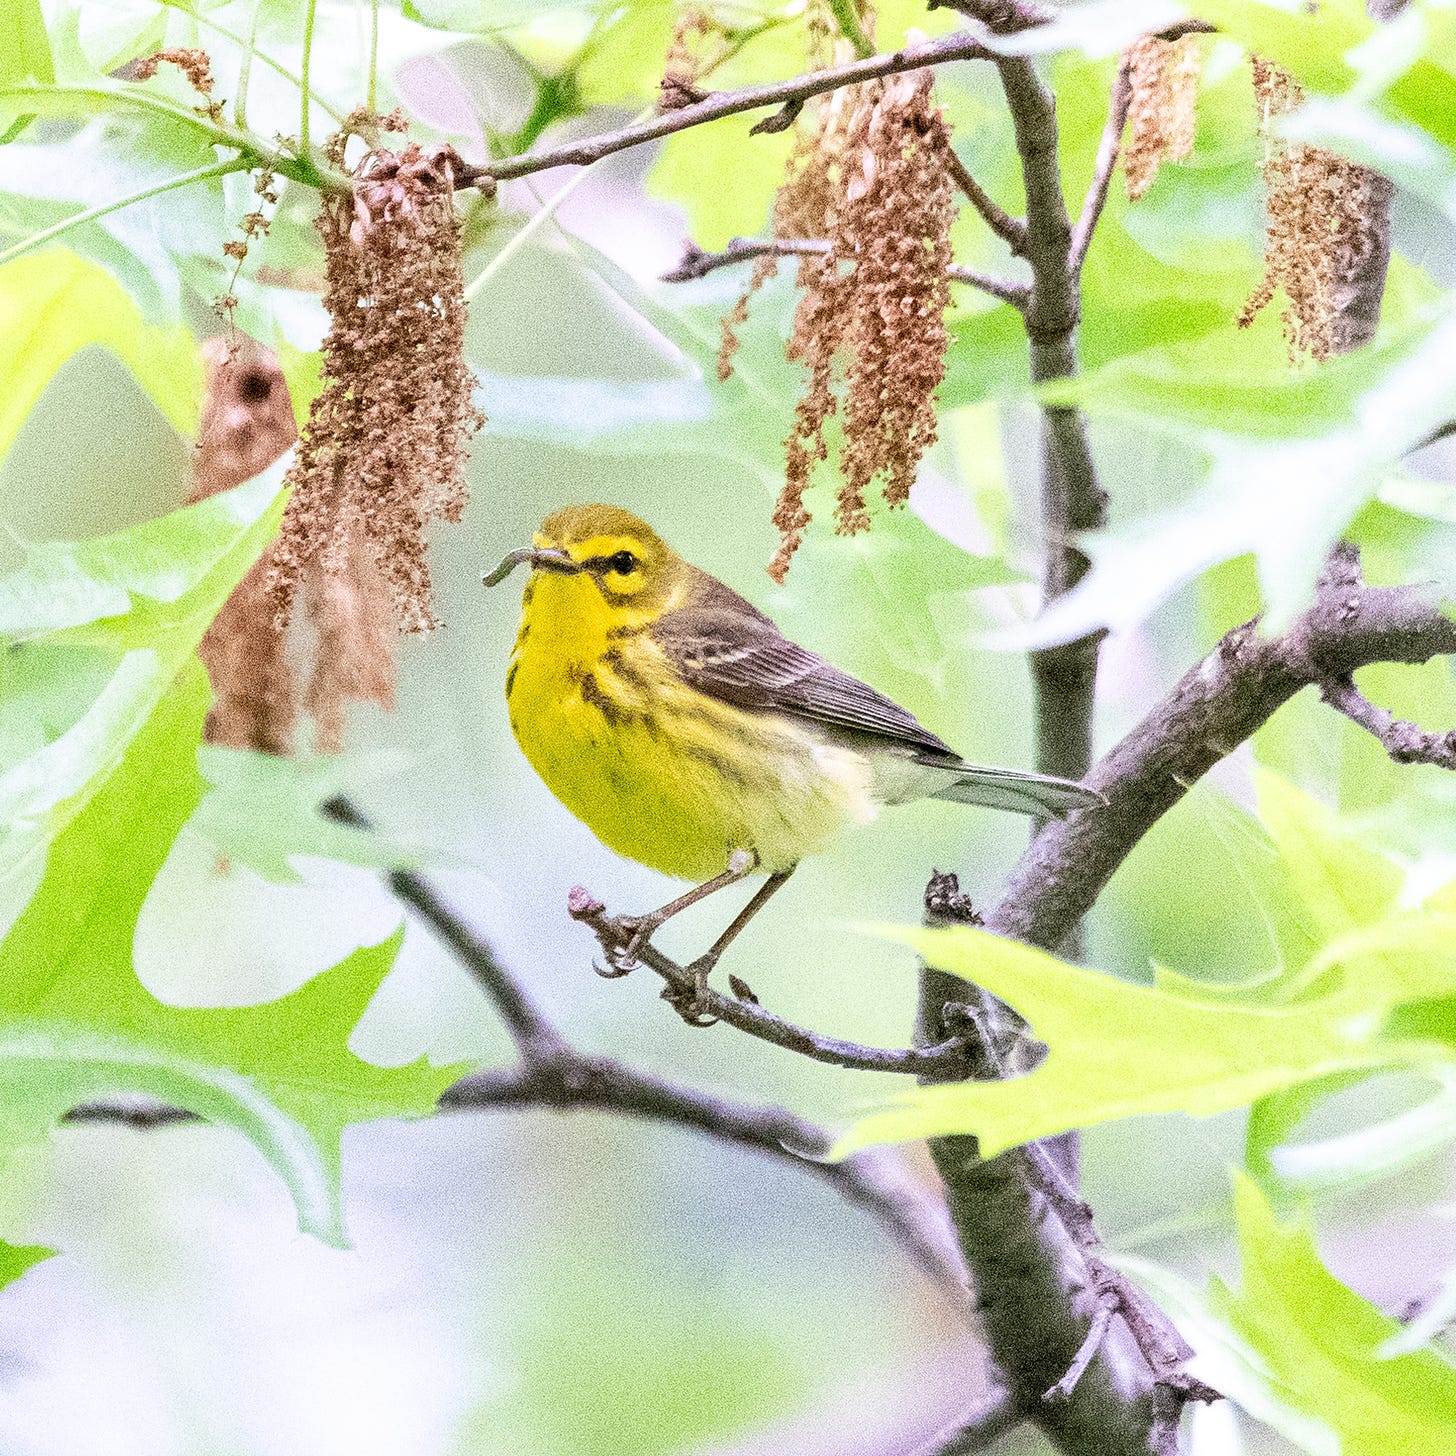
[1285, 497]
[16, 1259]
[95, 632]
[25, 52]
[1342, 881]
[76, 1024]
[1120, 1050]
[263, 808]
[1378, 991]
[53, 304]
[1325, 1346]
[1225, 1359]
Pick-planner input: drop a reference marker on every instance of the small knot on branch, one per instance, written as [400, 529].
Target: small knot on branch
[674, 94]
[945, 904]
[780, 120]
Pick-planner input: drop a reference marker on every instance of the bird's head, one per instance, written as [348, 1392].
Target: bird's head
[622, 556]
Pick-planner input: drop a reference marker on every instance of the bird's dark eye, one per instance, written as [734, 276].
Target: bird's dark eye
[622, 561]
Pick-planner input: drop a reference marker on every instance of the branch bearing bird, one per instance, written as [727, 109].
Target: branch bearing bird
[688, 733]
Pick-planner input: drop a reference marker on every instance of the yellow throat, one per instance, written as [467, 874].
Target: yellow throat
[661, 772]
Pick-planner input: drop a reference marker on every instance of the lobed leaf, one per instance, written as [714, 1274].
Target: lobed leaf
[76, 1024]
[1378, 992]
[52, 305]
[1325, 1345]
[107, 625]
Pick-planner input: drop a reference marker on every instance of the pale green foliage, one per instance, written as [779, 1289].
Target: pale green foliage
[76, 1024]
[1324, 1345]
[1116, 1049]
[15, 1259]
[55, 303]
[104, 689]
[98, 631]
[262, 809]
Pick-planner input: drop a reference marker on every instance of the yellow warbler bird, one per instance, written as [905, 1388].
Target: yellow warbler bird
[688, 733]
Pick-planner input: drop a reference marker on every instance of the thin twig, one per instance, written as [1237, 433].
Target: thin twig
[1096, 1333]
[696, 263]
[998, 1413]
[1405, 742]
[1108, 150]
[948, 1056]
[535, 1037]
[957, 46]
[1018, 295]
[1165, 1350]
[1011, 230]
[140, 1113]
[880, 1185]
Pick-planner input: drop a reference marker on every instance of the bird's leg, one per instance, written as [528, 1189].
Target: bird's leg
[639, 929]
[692, 1008]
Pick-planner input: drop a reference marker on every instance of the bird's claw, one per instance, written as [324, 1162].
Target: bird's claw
[622, 938]
[691, 1003]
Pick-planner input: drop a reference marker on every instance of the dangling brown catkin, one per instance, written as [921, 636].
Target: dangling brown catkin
[896, 226]
[354, 639]
[385, 446]
[882, 196]
[247, 423]
[1318, 233]
[1163, 82]
[807, 206]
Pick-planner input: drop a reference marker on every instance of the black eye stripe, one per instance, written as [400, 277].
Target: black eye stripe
[620, 561]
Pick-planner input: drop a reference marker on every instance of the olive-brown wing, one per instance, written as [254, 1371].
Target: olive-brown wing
[725, 647]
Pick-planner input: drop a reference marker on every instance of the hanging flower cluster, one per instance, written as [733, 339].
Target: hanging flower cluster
[382, 454]
[1319, 233]
[1163, 85]
[868, 178]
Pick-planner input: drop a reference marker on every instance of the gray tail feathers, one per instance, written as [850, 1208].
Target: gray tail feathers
[1016, 792]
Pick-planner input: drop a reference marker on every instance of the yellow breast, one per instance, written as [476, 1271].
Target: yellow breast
[659, 772]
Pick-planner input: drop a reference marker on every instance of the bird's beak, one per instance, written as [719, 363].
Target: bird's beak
[539, 559]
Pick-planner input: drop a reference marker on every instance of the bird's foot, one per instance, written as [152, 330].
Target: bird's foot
[632, 936]
[692, 1002]
[622, 937]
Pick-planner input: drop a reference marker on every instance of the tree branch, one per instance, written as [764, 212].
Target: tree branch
[696, 263]
[1108, 150]
[949, 1055]
[1063, 677]
[1216, 706]
[996, 1414]
[535, 1037]
[1011, 230]
[880, 1185]
[553, 1075]
[570, 1082]
[1046, 1295]
[1404, 742]
[957, 46]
